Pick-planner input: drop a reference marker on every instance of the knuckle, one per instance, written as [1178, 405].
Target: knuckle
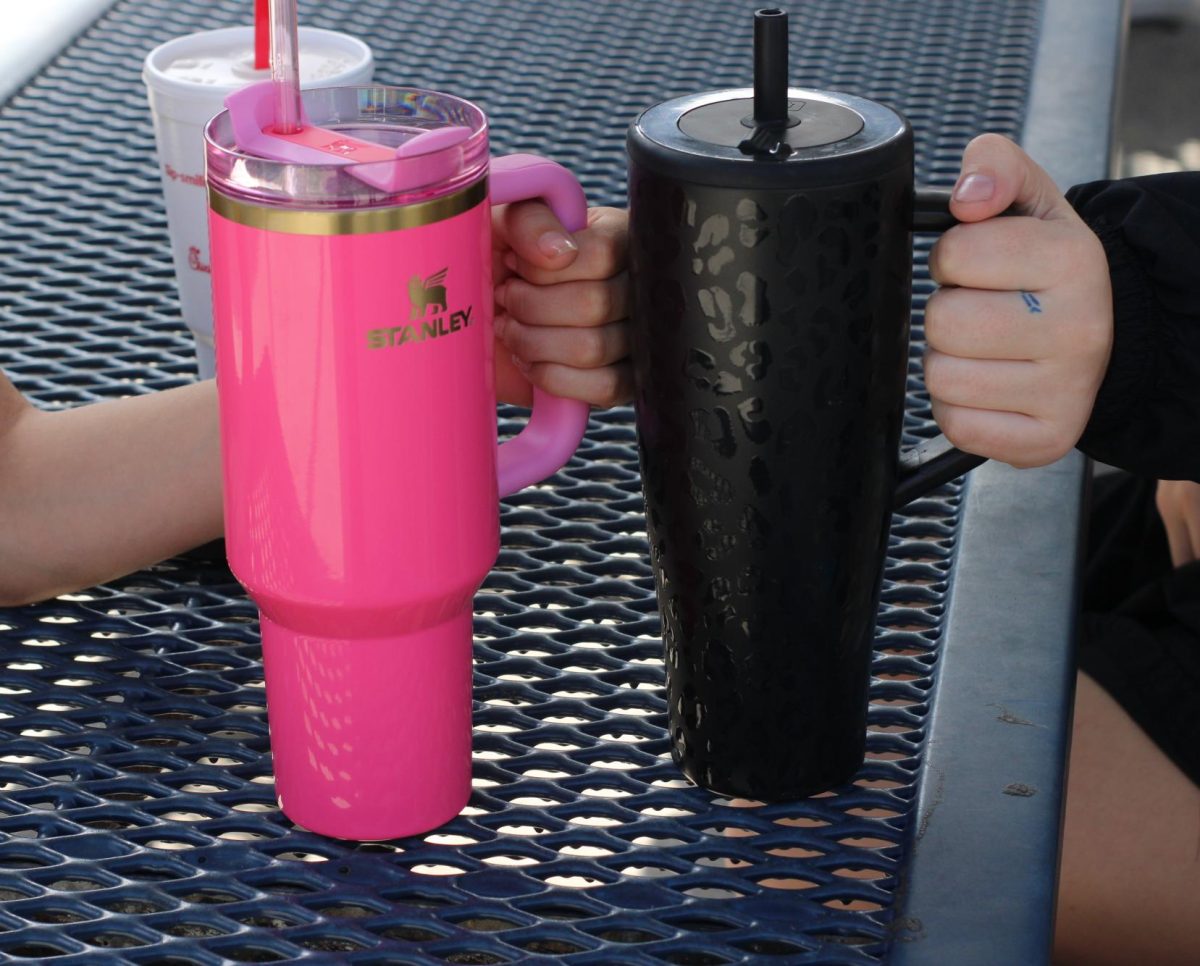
[591, 349]
[513, 216]
[946, 419]
[519, 339]
[934, 318]
[554, 379]
[529, 213]
[537, 376]
[601, 258]
[608, 229]
[537, 278]
[517, 298]
[948, 255]
[608, 219]
[596, 302]
[611, 389]
[1029, 441]
[966, 436]
[938, 381]
[940, 318]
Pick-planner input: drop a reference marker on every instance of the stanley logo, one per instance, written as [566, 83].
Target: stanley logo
[430, 293]
[428, 315]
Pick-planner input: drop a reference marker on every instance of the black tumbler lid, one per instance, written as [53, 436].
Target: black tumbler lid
[773, 135]
[810, 123]
[831, 137]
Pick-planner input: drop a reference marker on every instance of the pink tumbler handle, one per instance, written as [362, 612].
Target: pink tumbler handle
[556, 426]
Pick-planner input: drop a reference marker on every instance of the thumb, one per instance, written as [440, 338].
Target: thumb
[998, 175]
[536, 235]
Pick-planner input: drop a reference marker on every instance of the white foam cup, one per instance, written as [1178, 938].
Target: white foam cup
[187, 80]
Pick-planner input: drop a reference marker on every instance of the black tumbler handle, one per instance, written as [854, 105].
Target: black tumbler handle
[930, 464]
[931, 209]
[934, 462]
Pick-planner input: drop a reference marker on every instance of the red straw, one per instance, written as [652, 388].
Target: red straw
[262, 36]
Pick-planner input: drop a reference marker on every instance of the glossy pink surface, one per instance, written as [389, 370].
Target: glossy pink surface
[377, 739]
[358, 431]
[360, 482]
[361, 504]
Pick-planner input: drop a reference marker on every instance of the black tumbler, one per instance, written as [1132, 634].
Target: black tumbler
[770, 263]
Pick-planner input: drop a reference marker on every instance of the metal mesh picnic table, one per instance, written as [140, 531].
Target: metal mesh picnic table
[137, 816]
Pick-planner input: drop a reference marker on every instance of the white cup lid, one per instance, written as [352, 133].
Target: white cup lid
[208, 65]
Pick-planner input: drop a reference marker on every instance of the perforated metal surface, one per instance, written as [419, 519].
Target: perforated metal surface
[139, 821]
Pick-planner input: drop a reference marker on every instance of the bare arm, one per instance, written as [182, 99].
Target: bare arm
[94, 492]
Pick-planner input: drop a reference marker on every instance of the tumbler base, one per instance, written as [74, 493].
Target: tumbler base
[777, 789]
[371, 737]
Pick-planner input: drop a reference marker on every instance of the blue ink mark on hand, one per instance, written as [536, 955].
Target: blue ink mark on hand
[1032, 303]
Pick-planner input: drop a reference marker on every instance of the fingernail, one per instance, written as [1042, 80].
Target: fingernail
[555, 243]
[521, 365]
[500, 294]
[499, 324]
[510, 261]
[975, 187]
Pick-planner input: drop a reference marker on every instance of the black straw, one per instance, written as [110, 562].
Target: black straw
[770, 66]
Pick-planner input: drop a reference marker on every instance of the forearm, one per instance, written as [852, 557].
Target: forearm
[98, 491]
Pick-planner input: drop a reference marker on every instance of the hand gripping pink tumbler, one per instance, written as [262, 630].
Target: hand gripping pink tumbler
[353, 309]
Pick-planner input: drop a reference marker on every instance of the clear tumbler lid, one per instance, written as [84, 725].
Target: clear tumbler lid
[388, 116]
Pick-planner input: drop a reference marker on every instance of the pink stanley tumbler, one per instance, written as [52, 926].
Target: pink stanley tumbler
[353, 316]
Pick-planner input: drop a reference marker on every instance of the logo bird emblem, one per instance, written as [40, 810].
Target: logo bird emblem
[422, 294]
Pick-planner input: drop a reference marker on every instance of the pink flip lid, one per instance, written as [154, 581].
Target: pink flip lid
[428, 157]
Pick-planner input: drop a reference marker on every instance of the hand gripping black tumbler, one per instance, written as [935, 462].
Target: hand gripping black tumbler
[770, 263]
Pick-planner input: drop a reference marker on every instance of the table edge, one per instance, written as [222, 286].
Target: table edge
[985, 834]
[54, 31]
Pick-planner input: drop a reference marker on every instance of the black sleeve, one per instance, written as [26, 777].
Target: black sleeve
[1147, 414]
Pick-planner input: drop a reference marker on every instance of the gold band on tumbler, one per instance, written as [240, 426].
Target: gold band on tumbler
[347, 221]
